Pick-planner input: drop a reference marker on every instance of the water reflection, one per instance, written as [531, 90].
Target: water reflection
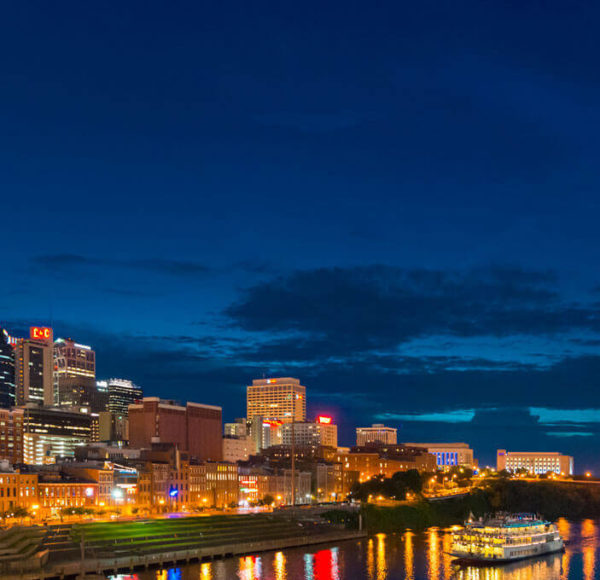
[370, 560]
[447, 558]
[588, 547]
[546, 568]
[324, 565]
[381, 564]
[250, 568]
[280, 566]
[433, 554]
[205, 571]
[564, 528]
[407, 556]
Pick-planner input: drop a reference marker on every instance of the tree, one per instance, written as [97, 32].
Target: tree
[268, 499]
[20, 513]
[410, 480]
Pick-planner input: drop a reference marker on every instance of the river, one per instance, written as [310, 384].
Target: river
[408, 555]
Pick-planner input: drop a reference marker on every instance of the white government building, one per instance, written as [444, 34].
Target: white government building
[534, 462]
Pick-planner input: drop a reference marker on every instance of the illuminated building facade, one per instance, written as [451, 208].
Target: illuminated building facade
[195, 428]
[322, 432]
[153, 484]
[534, 462]
[50, 433]
[97, 474]
[376, 434]
[75, 376]
[112, 427]
[369, 463]
[239, 428]
[169, 486]
[7, 371]
[236, 448]
[57, 491]
[18, 490]
[448, 454]
[218, 484]
[329, 482]
[264, 433]
[257, 482]
[34, 368]
[11, 435]
[278, 399]
[121, 394]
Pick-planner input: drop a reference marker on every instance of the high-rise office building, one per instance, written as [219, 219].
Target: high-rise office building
[49, 434]
[34, 368]
[377, 434]
[7, 372]
[194, 428]
[277, 399]
[121, 394]
[75, 376]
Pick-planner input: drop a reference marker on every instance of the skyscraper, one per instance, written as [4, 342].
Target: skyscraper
[276, 399]
[121, 394]
[7, 372]
[75, 376]
[34, 368]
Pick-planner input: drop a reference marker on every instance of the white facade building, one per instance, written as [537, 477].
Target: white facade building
[534, 462]
[377, 433]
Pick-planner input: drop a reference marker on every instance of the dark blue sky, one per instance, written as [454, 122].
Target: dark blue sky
[396, 203]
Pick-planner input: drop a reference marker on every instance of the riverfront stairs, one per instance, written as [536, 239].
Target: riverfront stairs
[143, 537]
[22, 544]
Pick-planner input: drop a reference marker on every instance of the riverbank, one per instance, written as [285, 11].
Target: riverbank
[162, 559]
[422, 515]
[548, 498]
[127, 546]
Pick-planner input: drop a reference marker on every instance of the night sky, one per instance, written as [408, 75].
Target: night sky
[395, 202]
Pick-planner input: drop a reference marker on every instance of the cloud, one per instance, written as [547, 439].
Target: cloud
[461, 416]
[558, 416]
[370, 308]
[68, 262]
[571, 434]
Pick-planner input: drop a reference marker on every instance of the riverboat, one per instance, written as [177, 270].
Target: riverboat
[505, 538]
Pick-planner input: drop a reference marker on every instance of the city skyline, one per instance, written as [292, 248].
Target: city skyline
[266, 399]
[406, 223]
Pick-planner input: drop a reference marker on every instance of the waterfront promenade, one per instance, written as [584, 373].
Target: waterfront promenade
[68, 550]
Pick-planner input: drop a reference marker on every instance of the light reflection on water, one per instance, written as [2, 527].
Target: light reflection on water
[405, 556]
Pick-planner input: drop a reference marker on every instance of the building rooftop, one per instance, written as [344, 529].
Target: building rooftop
[275, 381]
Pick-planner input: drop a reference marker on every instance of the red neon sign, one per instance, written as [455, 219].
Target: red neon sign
[324, 420]
[40, 333]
